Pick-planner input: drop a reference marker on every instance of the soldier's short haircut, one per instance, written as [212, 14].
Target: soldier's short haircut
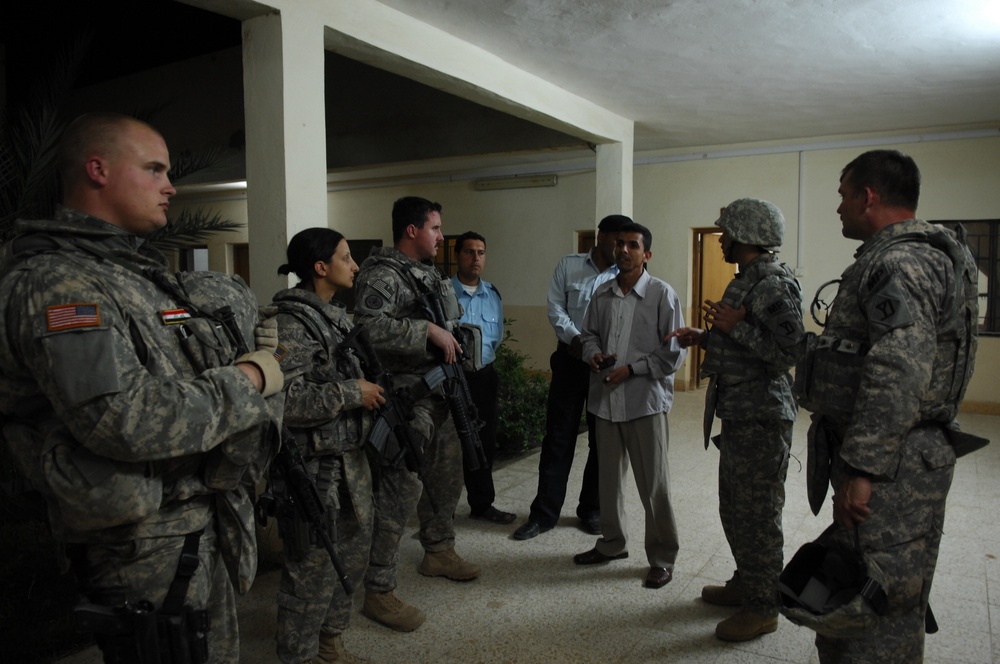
[891, 174]
[466, 236]
[87, 135]
[647, 235]
[410, 210]
[308, 246]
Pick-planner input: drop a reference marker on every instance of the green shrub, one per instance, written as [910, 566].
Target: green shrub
[522, 397]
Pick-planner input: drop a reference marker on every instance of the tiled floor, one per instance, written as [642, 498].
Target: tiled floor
[532, 604]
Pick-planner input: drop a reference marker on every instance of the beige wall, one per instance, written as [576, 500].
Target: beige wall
[529, 229]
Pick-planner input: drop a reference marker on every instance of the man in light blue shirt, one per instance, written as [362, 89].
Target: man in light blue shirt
[574, 281]
[481, 306]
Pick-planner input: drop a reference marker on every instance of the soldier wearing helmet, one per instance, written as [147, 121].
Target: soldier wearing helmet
[754, 339]
[754, 222]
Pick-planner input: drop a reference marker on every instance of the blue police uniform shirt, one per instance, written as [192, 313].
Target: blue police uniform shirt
[574, 281]
[484, 309]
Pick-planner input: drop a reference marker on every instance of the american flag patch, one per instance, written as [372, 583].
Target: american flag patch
[382, 287]
[69, 316]
[280, 352]
[174, 316]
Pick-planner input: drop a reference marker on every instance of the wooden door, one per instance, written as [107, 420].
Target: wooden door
[711, 276]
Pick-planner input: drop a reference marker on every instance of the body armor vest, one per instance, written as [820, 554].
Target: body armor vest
[726, 358]
[349, 429]
[829, 373]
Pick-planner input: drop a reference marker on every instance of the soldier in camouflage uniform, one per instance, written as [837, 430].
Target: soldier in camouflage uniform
[884, 381]
[124, 401]
[325, 408]
[754, 340]
[387, 293]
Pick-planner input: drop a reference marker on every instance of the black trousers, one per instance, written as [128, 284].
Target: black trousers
[566, 401]
[483, 385]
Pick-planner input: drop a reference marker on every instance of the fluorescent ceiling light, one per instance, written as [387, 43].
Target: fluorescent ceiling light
[516, 182]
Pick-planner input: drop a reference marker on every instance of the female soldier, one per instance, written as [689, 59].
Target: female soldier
[326, 398]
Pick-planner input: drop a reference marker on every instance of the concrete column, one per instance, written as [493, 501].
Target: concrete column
[283, 67]
[614, 178]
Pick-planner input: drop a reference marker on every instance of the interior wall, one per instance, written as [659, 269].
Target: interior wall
[528, 230]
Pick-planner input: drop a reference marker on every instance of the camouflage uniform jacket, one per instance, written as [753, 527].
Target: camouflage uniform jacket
[388, 290]
[752, 363]
[898, 304]
[323, 403]
[104, 411]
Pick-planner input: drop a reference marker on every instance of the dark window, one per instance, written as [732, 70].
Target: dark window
[445, 260]
[983, 238]
[241, 261]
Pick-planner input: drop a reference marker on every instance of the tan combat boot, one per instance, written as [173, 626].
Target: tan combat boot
[449, 565]
[727, 595]
[745, 625]
[331, 649]
[392, 612]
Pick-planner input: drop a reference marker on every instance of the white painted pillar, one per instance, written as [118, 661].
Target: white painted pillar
[283, 63]
[614, 178]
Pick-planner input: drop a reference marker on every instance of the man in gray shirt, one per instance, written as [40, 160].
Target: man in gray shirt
[631, 391]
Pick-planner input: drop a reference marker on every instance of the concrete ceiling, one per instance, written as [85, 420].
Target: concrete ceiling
[689, 73]
[702, 73]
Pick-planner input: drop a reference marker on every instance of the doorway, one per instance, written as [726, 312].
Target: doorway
[711, 276]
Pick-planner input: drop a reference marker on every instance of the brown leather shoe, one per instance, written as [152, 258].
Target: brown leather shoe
[594, 557]
[658, 577]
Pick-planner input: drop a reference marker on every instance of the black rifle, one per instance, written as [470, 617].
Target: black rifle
[300, 490]
[456, 390]
[394, 415]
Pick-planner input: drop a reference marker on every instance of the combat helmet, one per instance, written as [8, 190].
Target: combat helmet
[833, 589]
[755, 222]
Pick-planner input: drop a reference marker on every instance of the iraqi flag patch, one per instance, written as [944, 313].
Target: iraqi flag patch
[69, 316]
[174, 316]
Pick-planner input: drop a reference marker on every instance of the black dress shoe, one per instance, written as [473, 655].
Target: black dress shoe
[495, 515]
[591, 524]
[658, 577]
[594, 557]
[529, 530]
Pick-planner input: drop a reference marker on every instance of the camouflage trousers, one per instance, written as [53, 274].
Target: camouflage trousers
[902, 535]
[311, 599]
[753, 463]
[399, 491]
[143, 569]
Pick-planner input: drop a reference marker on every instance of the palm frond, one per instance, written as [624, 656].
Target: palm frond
[187, 162]
[29, 134]
[191, 227]
[148, 112]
